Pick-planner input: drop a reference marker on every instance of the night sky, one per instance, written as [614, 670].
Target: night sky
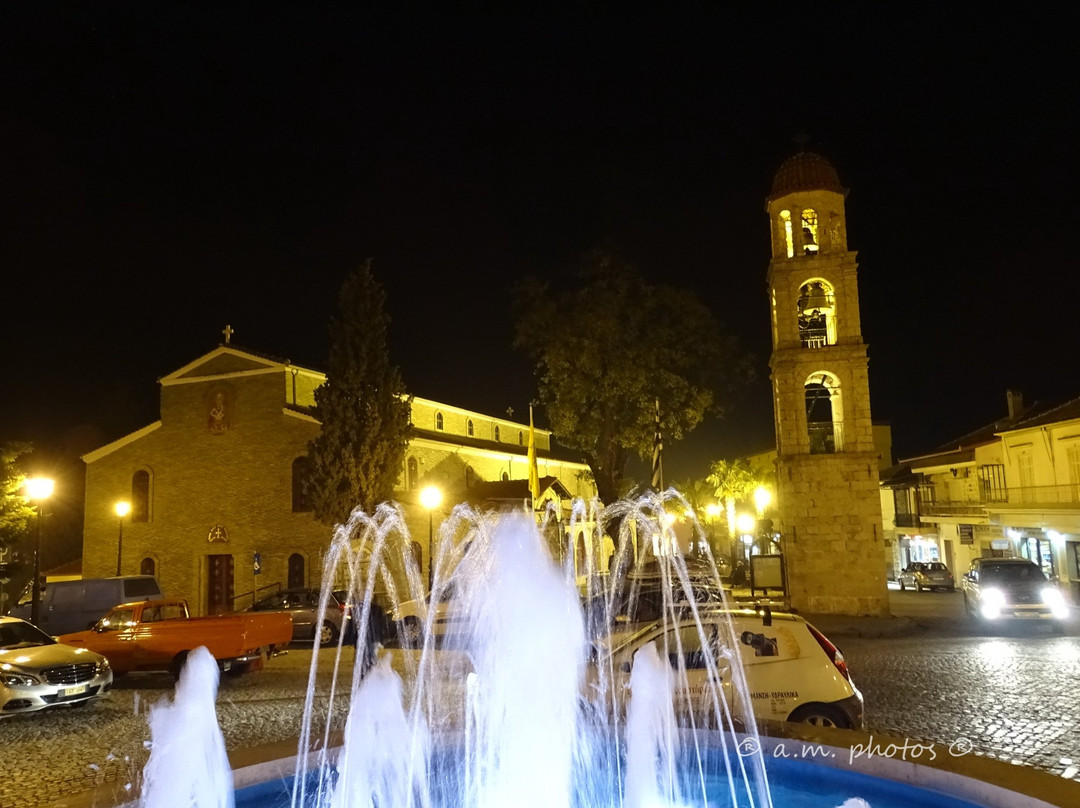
[167, 169]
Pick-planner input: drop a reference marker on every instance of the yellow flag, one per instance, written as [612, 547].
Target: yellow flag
[534, 474]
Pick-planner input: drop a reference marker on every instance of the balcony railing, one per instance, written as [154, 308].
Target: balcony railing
[825, 437]
[906, 520]
[1044, 495]
[953, 507]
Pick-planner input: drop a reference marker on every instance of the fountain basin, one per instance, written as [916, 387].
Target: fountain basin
[807, 766]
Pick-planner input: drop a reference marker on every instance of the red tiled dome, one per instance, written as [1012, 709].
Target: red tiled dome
[805, 171]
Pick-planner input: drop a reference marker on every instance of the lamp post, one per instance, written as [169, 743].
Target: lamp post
[38, 489]
[122, 509]
[431, 498]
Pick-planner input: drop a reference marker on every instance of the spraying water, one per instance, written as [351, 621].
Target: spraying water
[188, 767]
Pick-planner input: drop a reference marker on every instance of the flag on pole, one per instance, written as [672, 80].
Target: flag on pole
[534, 474]
[658, 454]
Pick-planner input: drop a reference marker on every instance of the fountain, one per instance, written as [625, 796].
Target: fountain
[514, 706]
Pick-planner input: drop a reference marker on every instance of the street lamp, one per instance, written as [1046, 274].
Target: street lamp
[38, 489]
[430, 499]
[762, 498]
[122, 509]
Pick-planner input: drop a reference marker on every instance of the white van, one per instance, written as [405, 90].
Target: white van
[69, 606]
[793, 672]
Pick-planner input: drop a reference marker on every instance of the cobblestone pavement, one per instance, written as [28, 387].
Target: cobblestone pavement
[1011, 697]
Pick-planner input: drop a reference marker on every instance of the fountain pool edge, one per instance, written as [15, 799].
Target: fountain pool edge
[982, 780]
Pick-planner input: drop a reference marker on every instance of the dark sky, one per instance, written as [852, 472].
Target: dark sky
[167, 168]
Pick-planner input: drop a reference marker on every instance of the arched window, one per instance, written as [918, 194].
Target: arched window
[296, 578]
[816, 309]
[785, 227]
[824, 414]
[148, 567]
[414, 474]
[438, 421]
[809, 232]
[505, 477]
[521, 438]
[470, 476]
[140, 496]
[301, 484]
[469, 427]
[496, 432]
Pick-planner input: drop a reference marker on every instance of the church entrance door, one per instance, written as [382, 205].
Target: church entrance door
[220, 592]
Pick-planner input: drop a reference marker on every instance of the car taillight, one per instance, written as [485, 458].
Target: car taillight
[831, 651]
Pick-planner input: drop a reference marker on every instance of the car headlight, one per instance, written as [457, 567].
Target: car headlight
[991, 602]
[1056, 601]
[18, 679]
[102, 666]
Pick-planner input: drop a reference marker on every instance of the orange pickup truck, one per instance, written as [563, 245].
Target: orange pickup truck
[157, 635]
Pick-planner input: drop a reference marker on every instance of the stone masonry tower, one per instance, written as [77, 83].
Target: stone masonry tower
[827, 467]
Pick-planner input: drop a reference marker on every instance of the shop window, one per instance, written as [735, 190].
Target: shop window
[140, 496]
[301, 484]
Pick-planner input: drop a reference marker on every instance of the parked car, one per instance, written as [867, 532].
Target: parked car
[998, 589]
[793, 672]
[158, 635]
[68, 606]
[920, 575]
[302, 605]
[37, 672]
[410, 616]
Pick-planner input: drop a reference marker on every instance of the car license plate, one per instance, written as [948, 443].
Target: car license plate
[72, 691]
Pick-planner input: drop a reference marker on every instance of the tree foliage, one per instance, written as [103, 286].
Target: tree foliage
[607, 349]
[363, 407]
[15, 509]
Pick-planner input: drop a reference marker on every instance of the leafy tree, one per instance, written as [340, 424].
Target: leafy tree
[732, 481]
[608, 349]
[15, 509]
[363, 407]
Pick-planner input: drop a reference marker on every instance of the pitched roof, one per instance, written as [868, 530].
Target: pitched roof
[513, 490]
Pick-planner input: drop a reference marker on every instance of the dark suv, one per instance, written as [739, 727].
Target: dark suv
[1012, 589]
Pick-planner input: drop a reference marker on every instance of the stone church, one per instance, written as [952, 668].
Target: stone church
[215, 482]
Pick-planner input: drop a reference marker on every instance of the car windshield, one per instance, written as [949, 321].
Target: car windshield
[1012, 573]
[23, 635]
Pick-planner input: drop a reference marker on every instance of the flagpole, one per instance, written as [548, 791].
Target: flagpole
[658, 454]
[534, 473]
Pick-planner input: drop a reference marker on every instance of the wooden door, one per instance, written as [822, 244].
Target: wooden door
[220, 591]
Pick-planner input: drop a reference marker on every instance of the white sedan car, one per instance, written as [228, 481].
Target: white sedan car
[37, 672]
[793, 672]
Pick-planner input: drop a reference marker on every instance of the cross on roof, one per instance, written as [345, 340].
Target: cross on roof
[228, 332]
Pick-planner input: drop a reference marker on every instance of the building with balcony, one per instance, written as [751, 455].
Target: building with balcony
[1009, 488]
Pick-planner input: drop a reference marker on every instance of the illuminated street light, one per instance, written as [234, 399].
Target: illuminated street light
[38, 489]
[762, 498]
[122, 509]
[431, 498]
[745, 523]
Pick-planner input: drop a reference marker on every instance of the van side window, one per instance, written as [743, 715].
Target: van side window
[140, 588]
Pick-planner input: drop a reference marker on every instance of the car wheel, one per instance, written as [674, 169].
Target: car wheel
[918, 587]
[820, 715]
[412, 633]
[176, 667]
[901, 584]
[328, 634]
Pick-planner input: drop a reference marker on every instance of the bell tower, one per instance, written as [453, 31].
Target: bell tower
[827, 467]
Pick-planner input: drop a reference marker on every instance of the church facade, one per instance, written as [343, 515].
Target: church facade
[217, 510]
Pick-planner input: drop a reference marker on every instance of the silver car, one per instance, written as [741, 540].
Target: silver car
[302, 605]
[920, 575]
[37, 672]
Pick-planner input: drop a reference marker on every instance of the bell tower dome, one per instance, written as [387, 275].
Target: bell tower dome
[827, 465]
